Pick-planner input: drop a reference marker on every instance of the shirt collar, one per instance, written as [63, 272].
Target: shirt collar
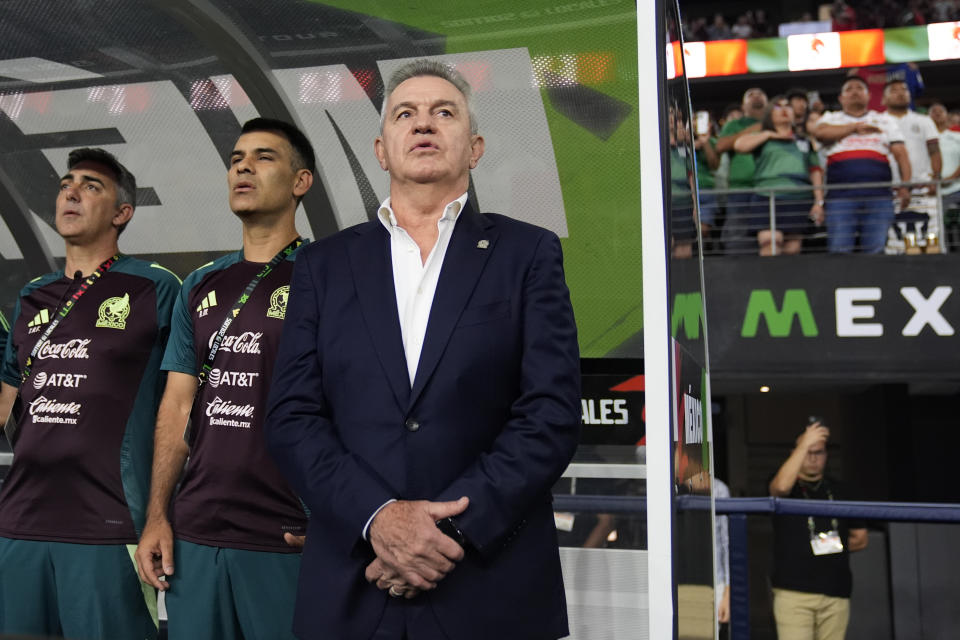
[451, 212]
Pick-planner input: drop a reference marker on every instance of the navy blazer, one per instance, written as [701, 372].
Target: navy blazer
[493, 414]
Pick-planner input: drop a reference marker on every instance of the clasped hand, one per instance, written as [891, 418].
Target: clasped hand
[413, 555]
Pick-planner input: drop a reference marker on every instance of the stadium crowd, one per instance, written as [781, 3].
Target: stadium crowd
[789, 173]
[842, 16]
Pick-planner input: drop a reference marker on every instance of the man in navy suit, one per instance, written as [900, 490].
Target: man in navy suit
[426, 398]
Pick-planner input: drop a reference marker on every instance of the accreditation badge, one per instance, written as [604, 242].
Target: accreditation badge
[826, 542]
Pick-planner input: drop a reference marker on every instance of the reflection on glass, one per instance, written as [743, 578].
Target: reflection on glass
[555, 87]
[604, 470]
[604, 553]
[693, 527]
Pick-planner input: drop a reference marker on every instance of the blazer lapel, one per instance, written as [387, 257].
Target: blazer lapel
[373, 275]
[473, 240]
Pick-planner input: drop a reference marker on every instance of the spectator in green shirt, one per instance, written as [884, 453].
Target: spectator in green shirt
[736, 226]
[707, 158]
[784, 159]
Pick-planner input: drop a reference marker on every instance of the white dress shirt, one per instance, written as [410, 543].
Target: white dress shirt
[415, 282]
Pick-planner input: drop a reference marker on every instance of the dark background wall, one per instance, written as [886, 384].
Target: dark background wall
[888, 442]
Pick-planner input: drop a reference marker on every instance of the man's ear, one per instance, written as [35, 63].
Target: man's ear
[477, 146]
[379, 151]
[303, 183]
[123, 215]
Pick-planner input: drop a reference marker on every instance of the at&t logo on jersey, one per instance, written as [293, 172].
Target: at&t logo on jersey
[113, 312]
[42, 379]
[278, 302]
[220, 377]
[71, 349]
[246, 342]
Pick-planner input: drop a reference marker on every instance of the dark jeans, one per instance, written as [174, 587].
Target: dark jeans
[863, 213]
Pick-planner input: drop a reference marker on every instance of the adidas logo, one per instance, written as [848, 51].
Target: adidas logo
[40, 319]
[209, 300]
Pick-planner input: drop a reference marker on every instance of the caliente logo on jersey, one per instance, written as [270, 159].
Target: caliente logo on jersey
[43, 409]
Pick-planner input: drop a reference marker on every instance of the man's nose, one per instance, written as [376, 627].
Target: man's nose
[71, 192]
[242, 165]
[422, 123]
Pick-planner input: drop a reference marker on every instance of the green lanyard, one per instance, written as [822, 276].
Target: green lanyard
[64, 309]
[242, 300]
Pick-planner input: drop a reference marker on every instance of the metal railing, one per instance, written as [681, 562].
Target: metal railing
[858, 509]
[919, 228]
[738, 509]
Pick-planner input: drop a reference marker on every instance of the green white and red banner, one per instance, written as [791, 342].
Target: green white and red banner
[810, 51]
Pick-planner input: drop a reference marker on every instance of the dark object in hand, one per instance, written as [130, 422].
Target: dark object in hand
[449, 528]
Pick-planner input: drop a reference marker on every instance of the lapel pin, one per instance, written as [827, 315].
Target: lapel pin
[483, 244]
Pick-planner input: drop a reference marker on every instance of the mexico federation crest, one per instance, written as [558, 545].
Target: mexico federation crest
[113, 312]
[278, 302]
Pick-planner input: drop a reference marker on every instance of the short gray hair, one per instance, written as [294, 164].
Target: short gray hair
[424, 67]
[126, 182]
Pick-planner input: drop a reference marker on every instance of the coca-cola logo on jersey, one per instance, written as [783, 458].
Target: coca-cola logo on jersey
[246, 342]
[76, 348]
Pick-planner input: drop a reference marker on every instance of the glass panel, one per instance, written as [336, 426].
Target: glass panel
[604, 587]
[693, 527]
[166, 86]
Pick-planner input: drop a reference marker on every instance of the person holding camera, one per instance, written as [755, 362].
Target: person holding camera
[811, 577]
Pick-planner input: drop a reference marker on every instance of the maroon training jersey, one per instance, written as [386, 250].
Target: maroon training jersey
[81, 469]
[232, 494]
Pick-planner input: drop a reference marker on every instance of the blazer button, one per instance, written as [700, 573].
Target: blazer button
[412, 425]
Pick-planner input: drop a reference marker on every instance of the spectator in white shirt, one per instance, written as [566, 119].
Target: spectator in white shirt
[919, 135]
[938, 113]
[859, 144]
[950, 154]
[742, 28]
